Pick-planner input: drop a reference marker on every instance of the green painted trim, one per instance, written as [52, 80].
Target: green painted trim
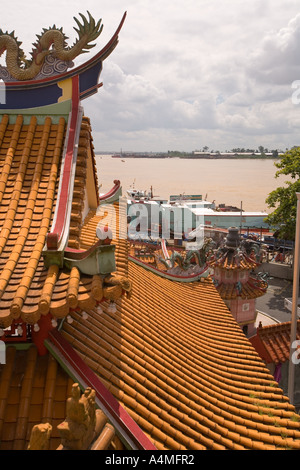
[100, 260]
[55, 111]
[23, 346]
[19, 346]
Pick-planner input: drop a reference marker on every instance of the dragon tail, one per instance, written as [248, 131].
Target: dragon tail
[88, 28]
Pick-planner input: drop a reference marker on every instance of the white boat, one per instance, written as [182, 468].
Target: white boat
[137, 195]
[242, 219]
[184, 214]
[207, 214]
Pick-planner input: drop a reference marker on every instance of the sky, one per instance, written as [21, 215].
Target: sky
[185, 75]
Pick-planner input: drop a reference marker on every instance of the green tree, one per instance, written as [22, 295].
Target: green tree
[284, 199]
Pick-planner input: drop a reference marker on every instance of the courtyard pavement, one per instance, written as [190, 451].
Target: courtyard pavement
[271, 305]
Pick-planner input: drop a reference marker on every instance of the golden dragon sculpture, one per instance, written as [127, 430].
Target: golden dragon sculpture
[52, 41]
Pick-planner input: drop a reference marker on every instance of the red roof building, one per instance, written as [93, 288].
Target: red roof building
[274, 346]
[233, 264]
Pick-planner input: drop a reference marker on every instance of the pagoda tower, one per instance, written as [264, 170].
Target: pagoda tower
[233, 264]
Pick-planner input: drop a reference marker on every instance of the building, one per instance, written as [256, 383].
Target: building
[170, 366]
[232, 265]
[272, 343]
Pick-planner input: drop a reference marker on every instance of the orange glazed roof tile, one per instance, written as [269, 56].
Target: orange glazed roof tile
[170, 353]
[273, 342]
[251, 289]
[234, 261]
[175, 358]
[30, 157]
[33, 389]
[235, 254]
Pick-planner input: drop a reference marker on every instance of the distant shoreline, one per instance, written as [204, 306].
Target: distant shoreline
[192, 157]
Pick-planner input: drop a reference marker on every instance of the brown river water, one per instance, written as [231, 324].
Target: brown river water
[245, 182]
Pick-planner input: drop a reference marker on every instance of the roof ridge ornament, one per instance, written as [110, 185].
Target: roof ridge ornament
[43, 81]
[51, 44]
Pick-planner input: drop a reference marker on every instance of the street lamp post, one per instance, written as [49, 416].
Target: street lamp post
[291, 377]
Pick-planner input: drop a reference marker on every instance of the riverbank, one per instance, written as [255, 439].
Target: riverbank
[225, 181]
[197, 156]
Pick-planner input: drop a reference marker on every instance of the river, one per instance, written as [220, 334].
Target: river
[233, 182]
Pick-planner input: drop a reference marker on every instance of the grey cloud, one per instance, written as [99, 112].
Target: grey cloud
[277, 61]
[186, 73]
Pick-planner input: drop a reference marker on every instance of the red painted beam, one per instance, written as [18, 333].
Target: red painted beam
[55, 236]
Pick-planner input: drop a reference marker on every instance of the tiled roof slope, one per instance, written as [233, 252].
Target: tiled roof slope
[171, 354]
[30, 156]
[175, 358]
[232, 262]
[33, 390]
[251, 289]
[273, 342]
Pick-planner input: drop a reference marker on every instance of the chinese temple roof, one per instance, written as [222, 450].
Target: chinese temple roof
[34, 390]
[235, 254]
[31, 158]
[251, 289]
[169, 363]
[233, 261]
[29, 401]
[175, 358]
[272, 342]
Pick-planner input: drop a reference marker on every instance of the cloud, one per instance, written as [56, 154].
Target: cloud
[277, 61]
[185, 75]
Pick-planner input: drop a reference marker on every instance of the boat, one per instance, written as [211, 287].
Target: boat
[225, 219]
[138, 195]
[184, 216]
